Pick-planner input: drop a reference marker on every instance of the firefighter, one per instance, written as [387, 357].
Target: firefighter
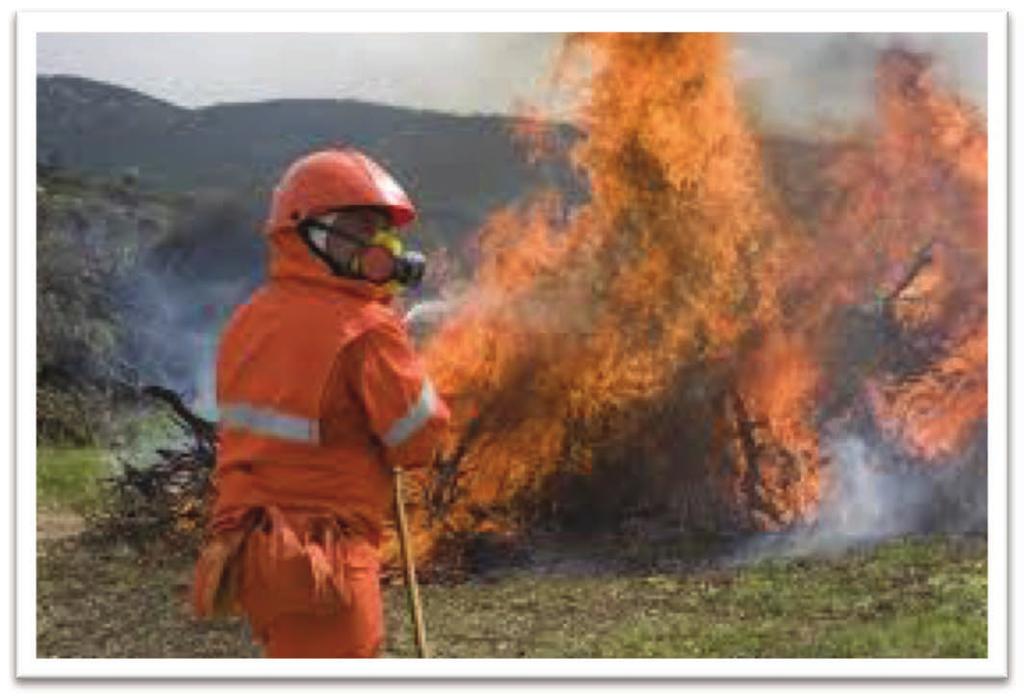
[320, 394]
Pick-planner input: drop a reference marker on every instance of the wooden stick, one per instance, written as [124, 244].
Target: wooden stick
[415, 607]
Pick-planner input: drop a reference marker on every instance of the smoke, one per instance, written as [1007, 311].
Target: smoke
[182, 341]
[186, 286]
[875, 492]
[800, 83]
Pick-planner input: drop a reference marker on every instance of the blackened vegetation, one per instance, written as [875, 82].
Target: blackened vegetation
[164, 501]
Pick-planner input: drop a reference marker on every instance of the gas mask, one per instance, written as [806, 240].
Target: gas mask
[381, 260]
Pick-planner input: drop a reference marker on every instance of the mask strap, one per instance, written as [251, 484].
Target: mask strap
[318, 246]
[314, 234]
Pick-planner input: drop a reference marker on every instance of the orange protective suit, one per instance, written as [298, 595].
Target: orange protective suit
[320, 392]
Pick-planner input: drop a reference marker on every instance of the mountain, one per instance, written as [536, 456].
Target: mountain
[456, 168]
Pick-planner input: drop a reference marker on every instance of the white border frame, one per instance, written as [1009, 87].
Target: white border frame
[991, 23]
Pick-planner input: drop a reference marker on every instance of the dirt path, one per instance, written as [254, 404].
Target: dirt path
[58, 524]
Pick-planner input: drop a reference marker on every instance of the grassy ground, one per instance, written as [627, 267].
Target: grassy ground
[67, 488]
[915, 597]
[907, 598]
[67, 478]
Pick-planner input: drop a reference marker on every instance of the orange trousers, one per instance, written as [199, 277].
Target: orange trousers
[308, 588]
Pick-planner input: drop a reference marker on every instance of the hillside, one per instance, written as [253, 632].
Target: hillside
[456, 168]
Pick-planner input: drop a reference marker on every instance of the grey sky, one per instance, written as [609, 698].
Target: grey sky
[798, 80]
[814, 80]
[451, 72]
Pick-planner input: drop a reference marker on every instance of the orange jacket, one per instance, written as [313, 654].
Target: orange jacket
[319, 392]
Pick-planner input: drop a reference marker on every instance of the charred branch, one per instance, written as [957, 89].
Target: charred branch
[165, 500]
[922, 258]
[749, 447]
[444, 489]
[756, 450]
[204, 430]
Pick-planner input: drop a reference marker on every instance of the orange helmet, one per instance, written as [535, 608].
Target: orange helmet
[333, 179]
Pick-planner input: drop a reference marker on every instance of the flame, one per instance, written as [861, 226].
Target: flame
[664, 346]
[918, 193]
[780, 381]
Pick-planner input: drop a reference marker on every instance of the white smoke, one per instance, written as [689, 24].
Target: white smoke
[803, 83]
[872, 492]
[867, 498]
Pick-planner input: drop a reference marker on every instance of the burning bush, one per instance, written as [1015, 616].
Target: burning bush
[674, 346]
[605, 343]
[683, 347]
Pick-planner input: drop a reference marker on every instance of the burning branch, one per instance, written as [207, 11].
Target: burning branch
[750, 448]
[922, 258]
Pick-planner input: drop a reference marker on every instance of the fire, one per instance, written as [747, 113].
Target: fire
[779, 382]
[660, 348]
[914, 205]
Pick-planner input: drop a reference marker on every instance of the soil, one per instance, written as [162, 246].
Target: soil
[57, 524]
[98, 600]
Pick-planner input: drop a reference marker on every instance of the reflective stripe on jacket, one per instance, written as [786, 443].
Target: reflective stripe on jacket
[319, 391]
